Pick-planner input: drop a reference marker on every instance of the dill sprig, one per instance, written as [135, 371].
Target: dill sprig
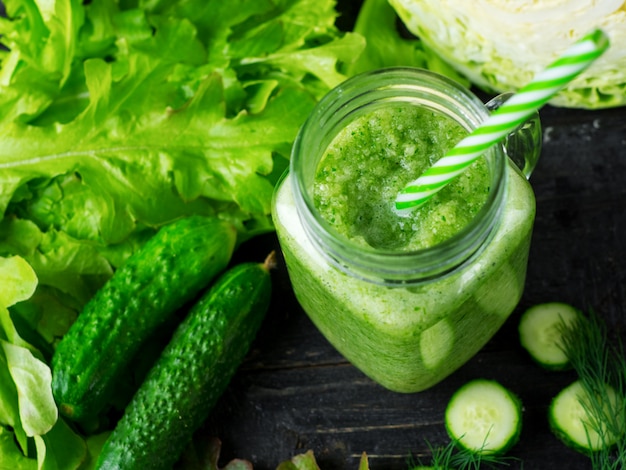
[599, 361]
[454, 456]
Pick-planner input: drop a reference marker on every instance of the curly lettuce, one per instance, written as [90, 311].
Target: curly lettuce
[501, 45]
[117, 118]
[387, 46]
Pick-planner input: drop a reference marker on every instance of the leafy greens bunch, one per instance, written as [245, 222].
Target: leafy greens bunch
[117, 117]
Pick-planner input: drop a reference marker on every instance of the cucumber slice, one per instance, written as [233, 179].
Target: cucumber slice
[540, 333]
[579, 429]
[484, 417]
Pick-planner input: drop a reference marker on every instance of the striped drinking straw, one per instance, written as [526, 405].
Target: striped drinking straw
[515, 111]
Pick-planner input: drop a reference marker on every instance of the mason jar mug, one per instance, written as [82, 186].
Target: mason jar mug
[407, 300]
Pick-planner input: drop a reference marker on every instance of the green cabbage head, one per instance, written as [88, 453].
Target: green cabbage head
[501, 44]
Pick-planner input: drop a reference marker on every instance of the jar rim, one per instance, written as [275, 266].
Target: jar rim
[385, 266]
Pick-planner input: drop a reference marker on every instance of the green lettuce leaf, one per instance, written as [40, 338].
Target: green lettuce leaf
[49, 311]
[306, 461]
[18, 281]
[10, 455]
[155, 113]
[9, 407]
[41, 42]
[117, 118]
[26, 402]
[203, 453]
[94, 446]
[32, 379]
[387, 46]
[61, 448]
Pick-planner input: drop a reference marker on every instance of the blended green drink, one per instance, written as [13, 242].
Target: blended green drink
[406, 298]
[377, 155]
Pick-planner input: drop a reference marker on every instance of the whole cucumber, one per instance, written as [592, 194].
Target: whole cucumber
[191, 374]
[168, 271]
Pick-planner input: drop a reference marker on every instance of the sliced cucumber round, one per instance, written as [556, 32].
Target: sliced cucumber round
[540, 333]
[484, 417]
[575, 421]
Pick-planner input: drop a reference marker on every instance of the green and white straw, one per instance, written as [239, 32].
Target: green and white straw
[512, 113]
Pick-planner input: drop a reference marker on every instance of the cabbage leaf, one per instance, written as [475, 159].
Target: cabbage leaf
[500, 45]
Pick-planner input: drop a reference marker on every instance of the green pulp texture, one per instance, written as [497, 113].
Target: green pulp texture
[377, 155]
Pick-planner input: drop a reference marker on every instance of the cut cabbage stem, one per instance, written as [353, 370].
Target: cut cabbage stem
[541, 333]
[484, 417]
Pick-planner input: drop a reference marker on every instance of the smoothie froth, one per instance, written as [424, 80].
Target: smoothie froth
[373, 158]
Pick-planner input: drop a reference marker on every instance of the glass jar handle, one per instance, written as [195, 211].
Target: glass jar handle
[523, 145]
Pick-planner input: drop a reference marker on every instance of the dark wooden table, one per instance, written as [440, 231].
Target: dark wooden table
[295, 392]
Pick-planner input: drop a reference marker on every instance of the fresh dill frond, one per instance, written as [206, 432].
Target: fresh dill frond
[600, 361]
[453, 456]
[441, 457]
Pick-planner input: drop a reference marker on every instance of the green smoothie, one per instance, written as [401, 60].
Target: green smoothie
[376, 156]
[407, 338]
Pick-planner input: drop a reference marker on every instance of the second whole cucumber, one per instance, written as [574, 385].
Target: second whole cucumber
[192, 372]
